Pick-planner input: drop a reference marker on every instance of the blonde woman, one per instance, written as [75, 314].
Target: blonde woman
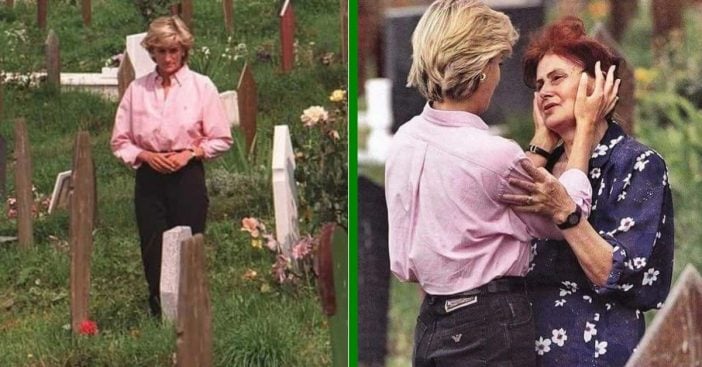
[444, 178]
[167, 123]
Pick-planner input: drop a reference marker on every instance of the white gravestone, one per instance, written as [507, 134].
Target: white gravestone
[170, 269]
[378, 117]
[284, 189]
[231, 107]
[140, 58]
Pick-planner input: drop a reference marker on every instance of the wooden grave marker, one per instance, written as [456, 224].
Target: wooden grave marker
[287, 36]
[86, 10]
[23, 185]
[228, 11]
[186, 13]
[82, 222]
[10, 3]
[333, 275]
[344, 20]
[42, 9]
[247, 101]
[53, 60]
[125, 75]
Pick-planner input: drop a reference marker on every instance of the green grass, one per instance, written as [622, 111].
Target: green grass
[255, 322]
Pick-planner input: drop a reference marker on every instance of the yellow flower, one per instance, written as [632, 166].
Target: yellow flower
[645, 77]
[598, 8]
[337, 95]
[257, 242]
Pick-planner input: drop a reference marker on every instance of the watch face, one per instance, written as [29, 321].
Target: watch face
[573, 219]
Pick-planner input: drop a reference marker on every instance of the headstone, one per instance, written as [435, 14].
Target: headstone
[627, 100]
[42, 10]
[86, 9]
[674, 338]
[378, 118]
[526, 15]
[284, 190]
[623, 11]
[247, 102]
[139, 56]
[186, 13]
[287, 36]
[23, 185]
[53, 60]
[344, 20]
[333, 272]
[667, 24]
[125, 75]
[170, 269]
[228, 10]
[82, 222]
[373, 273]
[231, 107]
[61, 194]
[194, 326]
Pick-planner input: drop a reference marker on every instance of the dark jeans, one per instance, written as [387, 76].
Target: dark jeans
[163, 201]
[485, 329]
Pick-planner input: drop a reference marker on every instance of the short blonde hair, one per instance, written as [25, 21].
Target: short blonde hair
[166, 30]
[453, 42]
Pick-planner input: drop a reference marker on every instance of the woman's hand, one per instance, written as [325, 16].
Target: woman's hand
[180, 159]
[158, 161]
[543, 137]
[545, 195]
[590, 109]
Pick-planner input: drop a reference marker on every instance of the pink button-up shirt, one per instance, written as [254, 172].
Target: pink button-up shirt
[447, 229]
[190, 116]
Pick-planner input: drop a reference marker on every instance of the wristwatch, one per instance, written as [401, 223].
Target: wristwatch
[572, 219]
[540, 151]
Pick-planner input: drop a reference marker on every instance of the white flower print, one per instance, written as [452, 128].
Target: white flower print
[590, 330]
[559, 337]
[626, 223]
[658, 234]
[531, 267]
[665, 178]
[570, 287]
[640, 165]
[648, 152]
[639, 262]
[601, 190]
[597, 317]
[560, 302]
[601, 150]
[543, 346]
[600, 348]
[621, 196]
[627, 180]
[650, 276]
[625, 287]
[595, 173]
[663, 220]
[659, 305]
[614, 142]
[608, 306]
[587, 298]
[638, 313]
[629, 264]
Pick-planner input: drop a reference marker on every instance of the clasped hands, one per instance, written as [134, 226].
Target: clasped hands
[166, 162]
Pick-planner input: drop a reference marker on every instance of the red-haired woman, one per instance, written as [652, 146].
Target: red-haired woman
[590, 290]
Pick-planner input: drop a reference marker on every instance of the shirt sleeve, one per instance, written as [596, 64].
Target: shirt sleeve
[122, 141]
[638, 223]
[576, 184]
[216, 131]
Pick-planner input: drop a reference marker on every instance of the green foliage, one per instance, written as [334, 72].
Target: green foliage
[152, 9]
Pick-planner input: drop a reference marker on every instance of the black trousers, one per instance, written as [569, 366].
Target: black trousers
[163, 201]
[489, 326]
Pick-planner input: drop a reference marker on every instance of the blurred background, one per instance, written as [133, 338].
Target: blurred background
[661, 103]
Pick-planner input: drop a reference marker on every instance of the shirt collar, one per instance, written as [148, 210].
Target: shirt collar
[453, 118]
[179, 76]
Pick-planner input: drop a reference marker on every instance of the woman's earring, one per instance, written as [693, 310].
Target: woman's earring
[483, 76]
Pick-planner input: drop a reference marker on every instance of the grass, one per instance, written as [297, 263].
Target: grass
[678, 142]
[256, 322]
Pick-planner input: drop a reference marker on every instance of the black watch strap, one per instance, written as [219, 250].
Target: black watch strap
[540, 151]
[572, 219]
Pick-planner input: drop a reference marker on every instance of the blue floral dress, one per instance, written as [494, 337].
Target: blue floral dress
[577, 322]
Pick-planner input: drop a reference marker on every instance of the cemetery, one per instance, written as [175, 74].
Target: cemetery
[661, 101]
[265, 285]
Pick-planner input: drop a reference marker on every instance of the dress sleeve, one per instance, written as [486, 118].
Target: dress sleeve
[638, 223]
[216, 131]
[122, 141]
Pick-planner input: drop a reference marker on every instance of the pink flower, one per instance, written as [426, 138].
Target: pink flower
[271, 242]
[302, 248]
[251, 225]
[280, 268]
[88, 327]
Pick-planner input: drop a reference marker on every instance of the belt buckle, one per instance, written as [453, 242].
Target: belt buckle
[458, 303]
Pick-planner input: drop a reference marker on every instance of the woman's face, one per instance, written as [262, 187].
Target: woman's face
[557, 80]
[168, 57]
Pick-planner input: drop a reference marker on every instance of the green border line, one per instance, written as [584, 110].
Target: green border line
[353, 181]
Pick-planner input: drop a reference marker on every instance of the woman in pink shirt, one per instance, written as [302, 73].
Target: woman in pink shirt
[167, 123]
[445, 177]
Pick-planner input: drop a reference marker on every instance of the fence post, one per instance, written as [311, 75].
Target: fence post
[228, 9]
[23, 185]
[42, 10]
[53, 60]
[86, 9]
[82, 222]
[187, 14]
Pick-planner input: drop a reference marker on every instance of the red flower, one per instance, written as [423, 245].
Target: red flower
[88, 327]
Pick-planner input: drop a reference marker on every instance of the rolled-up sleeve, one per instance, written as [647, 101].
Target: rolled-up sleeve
[217, 135]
